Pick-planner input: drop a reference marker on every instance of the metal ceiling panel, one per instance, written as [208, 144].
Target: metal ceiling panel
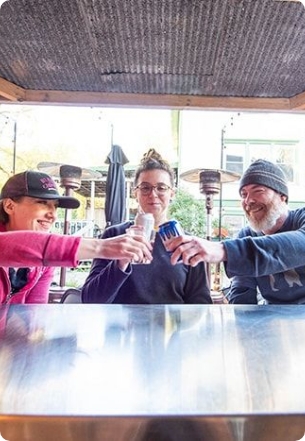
[216, 48]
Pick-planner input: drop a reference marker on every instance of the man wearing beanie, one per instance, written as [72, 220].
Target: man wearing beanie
[268, 257]
[262, 172]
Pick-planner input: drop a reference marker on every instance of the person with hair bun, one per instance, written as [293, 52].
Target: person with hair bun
[159, 282]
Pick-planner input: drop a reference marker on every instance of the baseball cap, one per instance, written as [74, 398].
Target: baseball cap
[36, 185]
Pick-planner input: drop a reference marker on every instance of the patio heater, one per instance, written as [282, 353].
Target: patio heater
[70, 180]
[210, 181]
[70, 177]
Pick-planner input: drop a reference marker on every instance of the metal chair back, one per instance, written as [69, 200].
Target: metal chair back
[71, 295]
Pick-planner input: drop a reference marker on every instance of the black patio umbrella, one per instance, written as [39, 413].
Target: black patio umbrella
[115, 204]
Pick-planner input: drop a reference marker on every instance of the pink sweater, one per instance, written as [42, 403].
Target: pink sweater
[39, 252]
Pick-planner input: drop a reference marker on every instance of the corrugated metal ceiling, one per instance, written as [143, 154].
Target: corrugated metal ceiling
[109, 51]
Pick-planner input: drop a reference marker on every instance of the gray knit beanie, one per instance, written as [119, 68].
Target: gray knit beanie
[265, 173]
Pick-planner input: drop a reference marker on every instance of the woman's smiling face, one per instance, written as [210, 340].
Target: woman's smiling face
[29, 213]
[155, 202]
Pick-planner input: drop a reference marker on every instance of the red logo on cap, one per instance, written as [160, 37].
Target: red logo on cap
[48, 183]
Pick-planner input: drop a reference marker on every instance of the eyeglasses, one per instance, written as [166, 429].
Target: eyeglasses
[146, 189]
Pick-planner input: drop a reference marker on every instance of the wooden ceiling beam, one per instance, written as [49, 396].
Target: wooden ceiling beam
[13, 93]
[297, 102]
[10, 91]
[154, 100]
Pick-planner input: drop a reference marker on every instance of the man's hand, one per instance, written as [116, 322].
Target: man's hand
[193, 250]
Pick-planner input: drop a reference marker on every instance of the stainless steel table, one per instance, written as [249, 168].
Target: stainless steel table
[152, 373]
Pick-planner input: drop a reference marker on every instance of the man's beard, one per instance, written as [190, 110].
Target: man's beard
[273, 213]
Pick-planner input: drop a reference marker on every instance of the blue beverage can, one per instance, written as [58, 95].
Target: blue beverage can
[169, 231]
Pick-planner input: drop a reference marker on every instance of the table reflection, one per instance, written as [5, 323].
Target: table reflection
[155, 369]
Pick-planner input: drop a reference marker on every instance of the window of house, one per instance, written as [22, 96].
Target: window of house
[239, 154]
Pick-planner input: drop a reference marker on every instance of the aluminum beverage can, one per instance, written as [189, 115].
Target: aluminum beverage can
[147, 221]
[169, 231]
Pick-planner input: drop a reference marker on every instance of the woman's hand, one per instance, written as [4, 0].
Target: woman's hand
[130, 247]
[124, 247]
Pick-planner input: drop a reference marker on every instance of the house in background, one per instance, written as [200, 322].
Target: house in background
[231, 141]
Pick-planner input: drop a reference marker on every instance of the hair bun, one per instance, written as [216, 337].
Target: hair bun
[151, 155]
[152, 160]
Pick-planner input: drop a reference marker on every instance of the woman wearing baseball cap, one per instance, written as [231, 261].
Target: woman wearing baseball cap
[28, 205]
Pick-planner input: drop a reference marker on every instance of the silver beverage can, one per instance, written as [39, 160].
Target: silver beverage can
[169, 231]
[147, 222]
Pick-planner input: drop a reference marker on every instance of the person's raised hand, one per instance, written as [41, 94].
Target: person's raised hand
[192, 250]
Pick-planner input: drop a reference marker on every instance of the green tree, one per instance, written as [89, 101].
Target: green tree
[190, 212]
